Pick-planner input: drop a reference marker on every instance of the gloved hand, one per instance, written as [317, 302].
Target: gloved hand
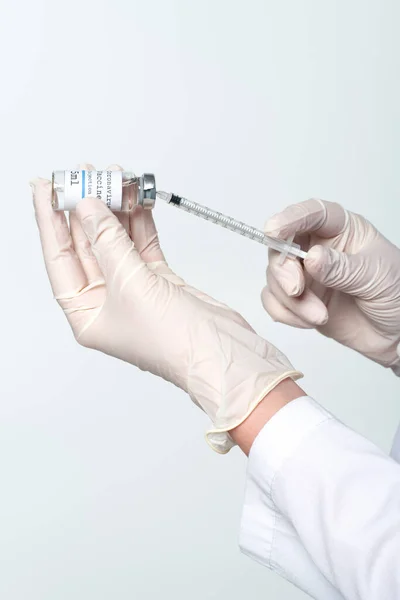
[121, 298]
[349, 287]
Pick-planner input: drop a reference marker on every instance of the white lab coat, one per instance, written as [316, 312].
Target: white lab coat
[322, 506]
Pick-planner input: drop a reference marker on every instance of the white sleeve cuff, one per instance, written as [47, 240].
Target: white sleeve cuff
[280, 437]
[265, 534]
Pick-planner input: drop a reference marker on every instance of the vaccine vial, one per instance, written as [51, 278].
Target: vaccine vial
[121, 191]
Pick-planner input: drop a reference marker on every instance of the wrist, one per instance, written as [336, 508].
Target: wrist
[245, 433]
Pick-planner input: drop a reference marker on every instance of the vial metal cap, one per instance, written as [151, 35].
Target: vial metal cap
[147, 191]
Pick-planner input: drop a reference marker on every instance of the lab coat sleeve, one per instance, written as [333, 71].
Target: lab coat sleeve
[322, 506]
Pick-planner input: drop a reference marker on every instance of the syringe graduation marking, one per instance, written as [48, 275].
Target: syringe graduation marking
[215, 217]
[232, 224]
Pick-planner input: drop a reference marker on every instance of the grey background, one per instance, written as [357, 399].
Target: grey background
[108, 489]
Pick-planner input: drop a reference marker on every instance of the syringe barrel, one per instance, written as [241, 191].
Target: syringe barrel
[286, 248]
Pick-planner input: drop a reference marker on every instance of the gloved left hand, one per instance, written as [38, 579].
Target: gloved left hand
[121, 298]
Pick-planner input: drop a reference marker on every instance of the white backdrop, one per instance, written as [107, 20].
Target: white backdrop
[108, 489]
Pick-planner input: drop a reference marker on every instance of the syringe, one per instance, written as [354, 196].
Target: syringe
[287, 248]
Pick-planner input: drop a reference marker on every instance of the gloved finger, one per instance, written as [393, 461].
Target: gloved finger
[123, 217]
[349, 273]
[326, 218]
[307, 307]
[64, 268]
[81, 244]
[111, 245]
[289, 275]
[84, 250]
[280, 313]
[143, 231]
[144, 235]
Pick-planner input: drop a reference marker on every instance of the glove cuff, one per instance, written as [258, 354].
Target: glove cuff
[218, 437]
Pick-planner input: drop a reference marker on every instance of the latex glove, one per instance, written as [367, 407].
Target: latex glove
[349, 288]
[121, 298]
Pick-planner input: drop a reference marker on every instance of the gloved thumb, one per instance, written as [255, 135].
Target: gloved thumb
[111, 245]
[347, 273]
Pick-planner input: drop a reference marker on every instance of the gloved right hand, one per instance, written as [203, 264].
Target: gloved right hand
[349, 286]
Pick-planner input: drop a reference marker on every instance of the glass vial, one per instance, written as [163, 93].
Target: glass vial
[121, 191]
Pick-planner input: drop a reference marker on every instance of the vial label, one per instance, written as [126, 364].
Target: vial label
[104, 185]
